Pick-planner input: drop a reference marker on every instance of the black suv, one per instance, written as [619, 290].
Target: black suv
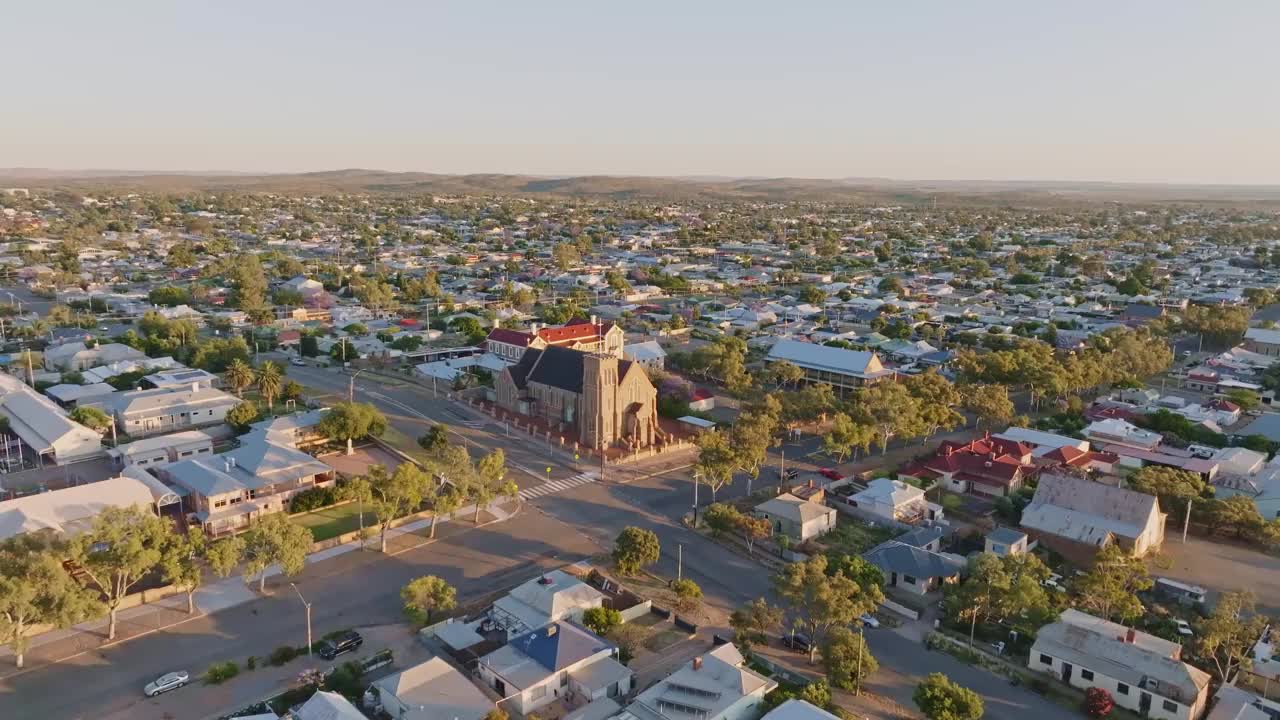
[335, 646]
[798, 642]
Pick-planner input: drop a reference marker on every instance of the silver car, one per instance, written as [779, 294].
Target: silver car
[166, 682]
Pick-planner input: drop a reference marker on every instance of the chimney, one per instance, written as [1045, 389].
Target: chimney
[1130, 636]
[231, 460]
[533, 328]
[594, 320]
[551, 630]
[226, 465]
[697, 663]
[195, 387]
[544, 580]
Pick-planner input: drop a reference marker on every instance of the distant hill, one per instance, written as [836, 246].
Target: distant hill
[605, 187]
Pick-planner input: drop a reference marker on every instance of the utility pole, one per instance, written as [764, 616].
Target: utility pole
[307, 605]
[857, 676]
[1186, 522]
[679, 561]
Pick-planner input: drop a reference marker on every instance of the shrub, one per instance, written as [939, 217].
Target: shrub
[312, 499]
[251, 663]
[600, 620]
[345, 680]
[282, 655]
[1098, 702]
[221, 672]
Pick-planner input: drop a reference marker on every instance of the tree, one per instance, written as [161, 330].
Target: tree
[601, 620]
[224, 555]
[989, 403]
[820, 601]
[360, 491]
[352, 421]
[635, 548]
[940, 699]
[182, 563]
[274, 540]
[721, 518]
[36, 590]
[937, 399]
[1172, 486]
[629, 639]
[121, 546]
[753, 622]
[752, 529]
[1002, 588]
[270, 381]
[426, 595]
[487, 479]
[376, 295]
[1110, 589]
[717, 460]
[435, 439]
[890, 285]
[90, 417]
[688, 594]
[786, 373]
[751, 436]
[1227, 636]
[889, 408]
[238, 376]
[846, 658]
[444, 501]
[1098, 703]
[565, 255]
[309, 346]
[846, 436]
[396, 495]
[1221, 325]
[867, 576]
[242, 415]
[1246, 399]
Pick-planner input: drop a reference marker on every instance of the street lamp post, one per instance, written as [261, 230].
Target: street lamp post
[307, 605]
[351, 385]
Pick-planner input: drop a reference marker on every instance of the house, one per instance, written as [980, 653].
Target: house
[1142, 672]
[181, 378]
[433, 690]
[76, 356]
[548, 598]
[1005, 541]
[702, 400]
[797, 518]
[844, 370]
[606, 400]
[71, 510]
[41, 428]
[325, 705]
[796, 709]
[911, 562]
[586, 335]
[296, 430]
[984, 466]
[162, 410]
[225, 492]
[649, 354]
[70, 396]
[1121, 434]
[304, 286]
[1041, 442]
[559, 661]
[714, 686]
[1076, 517]
[162, 449]
[1262, 341]
[895, 500]
[1233, 703]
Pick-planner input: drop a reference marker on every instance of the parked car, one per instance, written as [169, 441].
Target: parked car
[869, 620]
[166, 682]
[798, 642]
[1184, 628]
[297, 361]
[789, 474]
[830, 474]
[346, 642]
[1054, 582]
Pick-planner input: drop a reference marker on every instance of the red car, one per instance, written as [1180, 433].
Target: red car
[830, 474]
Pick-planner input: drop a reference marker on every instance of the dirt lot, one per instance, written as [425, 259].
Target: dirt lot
[1221, 567]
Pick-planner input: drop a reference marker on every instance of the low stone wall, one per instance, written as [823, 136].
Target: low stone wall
[638, 610]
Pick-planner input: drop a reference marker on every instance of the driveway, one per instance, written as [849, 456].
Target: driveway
[1222, 567]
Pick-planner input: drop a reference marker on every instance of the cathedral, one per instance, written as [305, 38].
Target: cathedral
[605, 401]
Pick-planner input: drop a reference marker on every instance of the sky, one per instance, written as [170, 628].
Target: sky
[1118, 90]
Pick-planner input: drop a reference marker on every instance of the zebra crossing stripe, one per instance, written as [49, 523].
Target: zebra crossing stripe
[555, 486]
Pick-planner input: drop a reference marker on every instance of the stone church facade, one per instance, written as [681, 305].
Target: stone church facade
[605, 401]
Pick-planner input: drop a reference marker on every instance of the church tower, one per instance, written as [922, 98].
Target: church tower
[599, 417]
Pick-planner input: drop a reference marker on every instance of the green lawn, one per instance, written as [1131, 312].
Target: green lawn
[334, 521]
[854, 538]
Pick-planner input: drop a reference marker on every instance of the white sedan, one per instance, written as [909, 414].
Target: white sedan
[166, 682]
[869, 620]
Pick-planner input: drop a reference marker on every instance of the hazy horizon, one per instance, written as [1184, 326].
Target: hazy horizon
[996, 91]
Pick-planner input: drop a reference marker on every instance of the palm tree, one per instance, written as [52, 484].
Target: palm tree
[270, 380]
[239, 376]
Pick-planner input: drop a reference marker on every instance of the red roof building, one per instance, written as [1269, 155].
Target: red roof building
[984, 466]
[584, 334]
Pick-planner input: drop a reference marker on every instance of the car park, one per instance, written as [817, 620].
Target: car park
[166, 682]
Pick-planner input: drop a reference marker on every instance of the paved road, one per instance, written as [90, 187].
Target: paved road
[108, 682]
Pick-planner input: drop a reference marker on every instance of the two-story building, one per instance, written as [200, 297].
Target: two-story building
[225, 492]
[844, 370]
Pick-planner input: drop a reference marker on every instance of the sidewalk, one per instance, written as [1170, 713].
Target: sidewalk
[60, 644]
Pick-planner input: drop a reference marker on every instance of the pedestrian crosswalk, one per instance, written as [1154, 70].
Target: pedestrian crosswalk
[555, 486]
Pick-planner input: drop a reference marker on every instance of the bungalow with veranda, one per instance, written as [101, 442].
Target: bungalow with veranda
[559, 661]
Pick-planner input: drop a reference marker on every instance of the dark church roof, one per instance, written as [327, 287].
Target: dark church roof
[520, 371]
[559, 368]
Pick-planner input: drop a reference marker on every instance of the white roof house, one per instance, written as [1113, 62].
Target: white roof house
[714, 686]
[832, 365]
[797, 517]
[645, 353]
[555, 595]
[433, 690]
[43, 426]
[70, 510]
[324, 705]
[796, 709]
[1040, 441]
